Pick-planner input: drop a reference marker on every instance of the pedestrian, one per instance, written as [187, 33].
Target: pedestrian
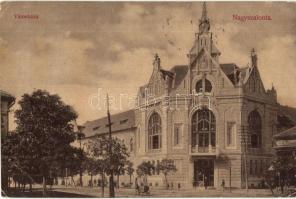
[137, 186]
[146, 187]
[206, 182]
[223, 184]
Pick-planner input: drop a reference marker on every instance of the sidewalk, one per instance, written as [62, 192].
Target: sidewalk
[124, 192]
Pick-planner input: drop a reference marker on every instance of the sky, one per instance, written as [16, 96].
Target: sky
[82, 50]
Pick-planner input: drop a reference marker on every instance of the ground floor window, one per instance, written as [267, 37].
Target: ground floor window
[230, 134]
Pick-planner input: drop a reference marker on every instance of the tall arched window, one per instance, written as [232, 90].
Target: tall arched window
[208, 86]
[131, 144]
[199, 87]
[154, 132]
[203, 85]
[203, 128]
[255, 126]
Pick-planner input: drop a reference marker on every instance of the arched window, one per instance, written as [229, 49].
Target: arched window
[203, 128]
[255, 126]
[203, 85]
[138, 137]
[208, 86]
[154, 132]
[199, 87]
[131, 145]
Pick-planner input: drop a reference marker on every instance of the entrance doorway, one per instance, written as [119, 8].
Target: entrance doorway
[204, 173]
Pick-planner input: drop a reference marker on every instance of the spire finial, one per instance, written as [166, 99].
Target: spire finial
[254, 57]
[156, 61]
[272, 86]
[156, 56]
[204, 12]
[204, 22]
[107, 102]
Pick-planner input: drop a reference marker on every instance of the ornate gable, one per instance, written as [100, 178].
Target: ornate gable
[160, 79]
[253, 83]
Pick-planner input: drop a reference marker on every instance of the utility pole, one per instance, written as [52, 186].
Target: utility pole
[66, 177]
[81, 156]
[80, 135]
[111, 181]
[244, 136]
[229, 175]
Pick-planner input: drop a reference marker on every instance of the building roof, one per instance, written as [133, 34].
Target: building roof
[289, 134]
[286, 118]
[229, 70]
[166, 73]
[180, 72]
[119, 122]
[7, 97]
[290, 112]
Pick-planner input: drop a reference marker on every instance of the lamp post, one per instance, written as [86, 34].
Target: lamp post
[80, 136]
[111, 181]
[229, 175]
[244, 136]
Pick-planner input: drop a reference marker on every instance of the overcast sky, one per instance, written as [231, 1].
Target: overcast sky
[75, 48]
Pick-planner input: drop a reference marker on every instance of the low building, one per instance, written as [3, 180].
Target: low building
[285, 142]
[6, 102]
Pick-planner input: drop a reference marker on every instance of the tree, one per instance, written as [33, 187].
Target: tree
[130, 170]
[269, 178]
[144, 170]
[282, 171]
[166, 166]
[119, 171]
[285, 168]
[72, 162]
[44, 124]
[14, 149]
[101, 165]
[91, 166]
[114, 159]
[79, 137]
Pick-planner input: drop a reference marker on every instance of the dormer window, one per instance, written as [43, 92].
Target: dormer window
[107, 125]
[203, 85]
[123, 121]
[96, 128]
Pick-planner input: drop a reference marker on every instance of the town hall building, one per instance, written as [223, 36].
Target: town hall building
[214, 120]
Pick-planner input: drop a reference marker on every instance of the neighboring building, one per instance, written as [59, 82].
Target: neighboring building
[201, 115]
[285, 142]
[6, 102]
[285, 147]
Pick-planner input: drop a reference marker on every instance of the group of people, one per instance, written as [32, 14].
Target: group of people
[142, 187]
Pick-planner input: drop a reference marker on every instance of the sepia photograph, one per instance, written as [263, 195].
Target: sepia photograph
[161, 99]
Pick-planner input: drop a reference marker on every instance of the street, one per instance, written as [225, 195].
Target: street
[123, 192]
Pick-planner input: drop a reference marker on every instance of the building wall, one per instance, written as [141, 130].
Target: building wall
[4, 118]
[5, 103]
[228, 107]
